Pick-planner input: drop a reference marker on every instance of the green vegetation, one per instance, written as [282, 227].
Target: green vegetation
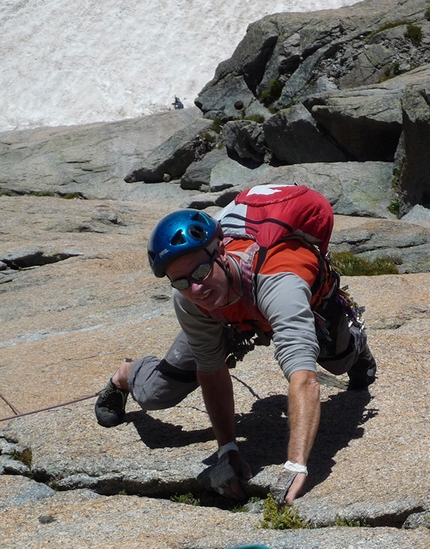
[285, 518]
[255, 118]
[396, 68]
[25, 456]
[71, 196]
[42, 194]
[391, 71]
[414, 33]
[348, 264]
[245, 508]
[187, 499]
[271, 94]
[217, 125]
[339, 521]
[385, 27]
[394, 207]
[209, 137]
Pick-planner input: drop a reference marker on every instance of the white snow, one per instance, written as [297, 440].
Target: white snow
[67, 62]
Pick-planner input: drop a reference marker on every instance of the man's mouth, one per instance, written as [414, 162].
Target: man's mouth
[203, 296]
[206, 294]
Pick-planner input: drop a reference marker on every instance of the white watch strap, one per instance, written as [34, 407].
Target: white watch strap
[296, 467]
[226, 448]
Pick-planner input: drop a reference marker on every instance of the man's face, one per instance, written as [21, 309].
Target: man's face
[210, 293]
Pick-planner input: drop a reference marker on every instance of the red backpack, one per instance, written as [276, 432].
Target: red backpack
[269, 214]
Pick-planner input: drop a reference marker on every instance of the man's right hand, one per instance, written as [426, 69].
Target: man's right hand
[226, 474]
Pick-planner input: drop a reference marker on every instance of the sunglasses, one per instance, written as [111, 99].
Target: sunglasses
[198, 275]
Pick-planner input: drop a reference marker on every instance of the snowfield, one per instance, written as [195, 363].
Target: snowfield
[75, 62]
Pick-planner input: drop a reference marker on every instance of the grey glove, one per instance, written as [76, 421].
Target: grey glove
[222, 474]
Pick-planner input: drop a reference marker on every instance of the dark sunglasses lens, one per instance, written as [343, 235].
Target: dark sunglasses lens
[197, 275]
[201, 272]
[181, 284]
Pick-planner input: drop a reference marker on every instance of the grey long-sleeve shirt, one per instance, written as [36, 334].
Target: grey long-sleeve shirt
[284, 300]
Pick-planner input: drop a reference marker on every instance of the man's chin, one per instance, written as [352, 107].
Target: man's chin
[211, 302]
[207, 304]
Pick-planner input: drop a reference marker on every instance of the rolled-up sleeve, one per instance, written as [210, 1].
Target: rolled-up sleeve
[204, 334]
[284, 299]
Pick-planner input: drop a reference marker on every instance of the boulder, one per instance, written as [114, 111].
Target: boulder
[246, 139]
[236, 79]
[198, 174]
[223, 99]
[346, 84]
[416, 214]
[171, 159]
[365, 122]
[414, 177]
[295, 138]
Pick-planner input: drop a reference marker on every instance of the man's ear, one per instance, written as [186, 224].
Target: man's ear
[222, 254]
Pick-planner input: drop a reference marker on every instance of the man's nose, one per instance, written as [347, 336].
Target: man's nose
[196, 287]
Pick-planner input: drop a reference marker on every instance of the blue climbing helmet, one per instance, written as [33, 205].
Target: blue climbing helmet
[180, 233]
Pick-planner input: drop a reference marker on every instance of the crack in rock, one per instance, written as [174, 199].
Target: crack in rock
[34, 257]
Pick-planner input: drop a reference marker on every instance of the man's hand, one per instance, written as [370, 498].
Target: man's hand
[296, 488]
[289, 483]
[226, 474]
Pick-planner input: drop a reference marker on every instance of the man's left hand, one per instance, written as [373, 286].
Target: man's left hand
[296, 488]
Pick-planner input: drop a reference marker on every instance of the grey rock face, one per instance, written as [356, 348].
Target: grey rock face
[349, 186]
[345, 85]
[84, 162]
[351, 46]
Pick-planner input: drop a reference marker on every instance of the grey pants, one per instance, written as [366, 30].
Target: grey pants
[158, 384]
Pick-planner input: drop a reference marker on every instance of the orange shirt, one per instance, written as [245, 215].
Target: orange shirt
[291, 256]
[286, 257]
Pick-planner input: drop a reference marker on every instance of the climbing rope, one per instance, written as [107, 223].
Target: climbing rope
[19, 414]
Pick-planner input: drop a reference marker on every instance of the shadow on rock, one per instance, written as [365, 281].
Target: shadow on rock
[342, 420]
[155, 433]
[265, 432]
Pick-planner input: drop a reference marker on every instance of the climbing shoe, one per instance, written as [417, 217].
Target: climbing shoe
[363, 373]
[110, 405]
